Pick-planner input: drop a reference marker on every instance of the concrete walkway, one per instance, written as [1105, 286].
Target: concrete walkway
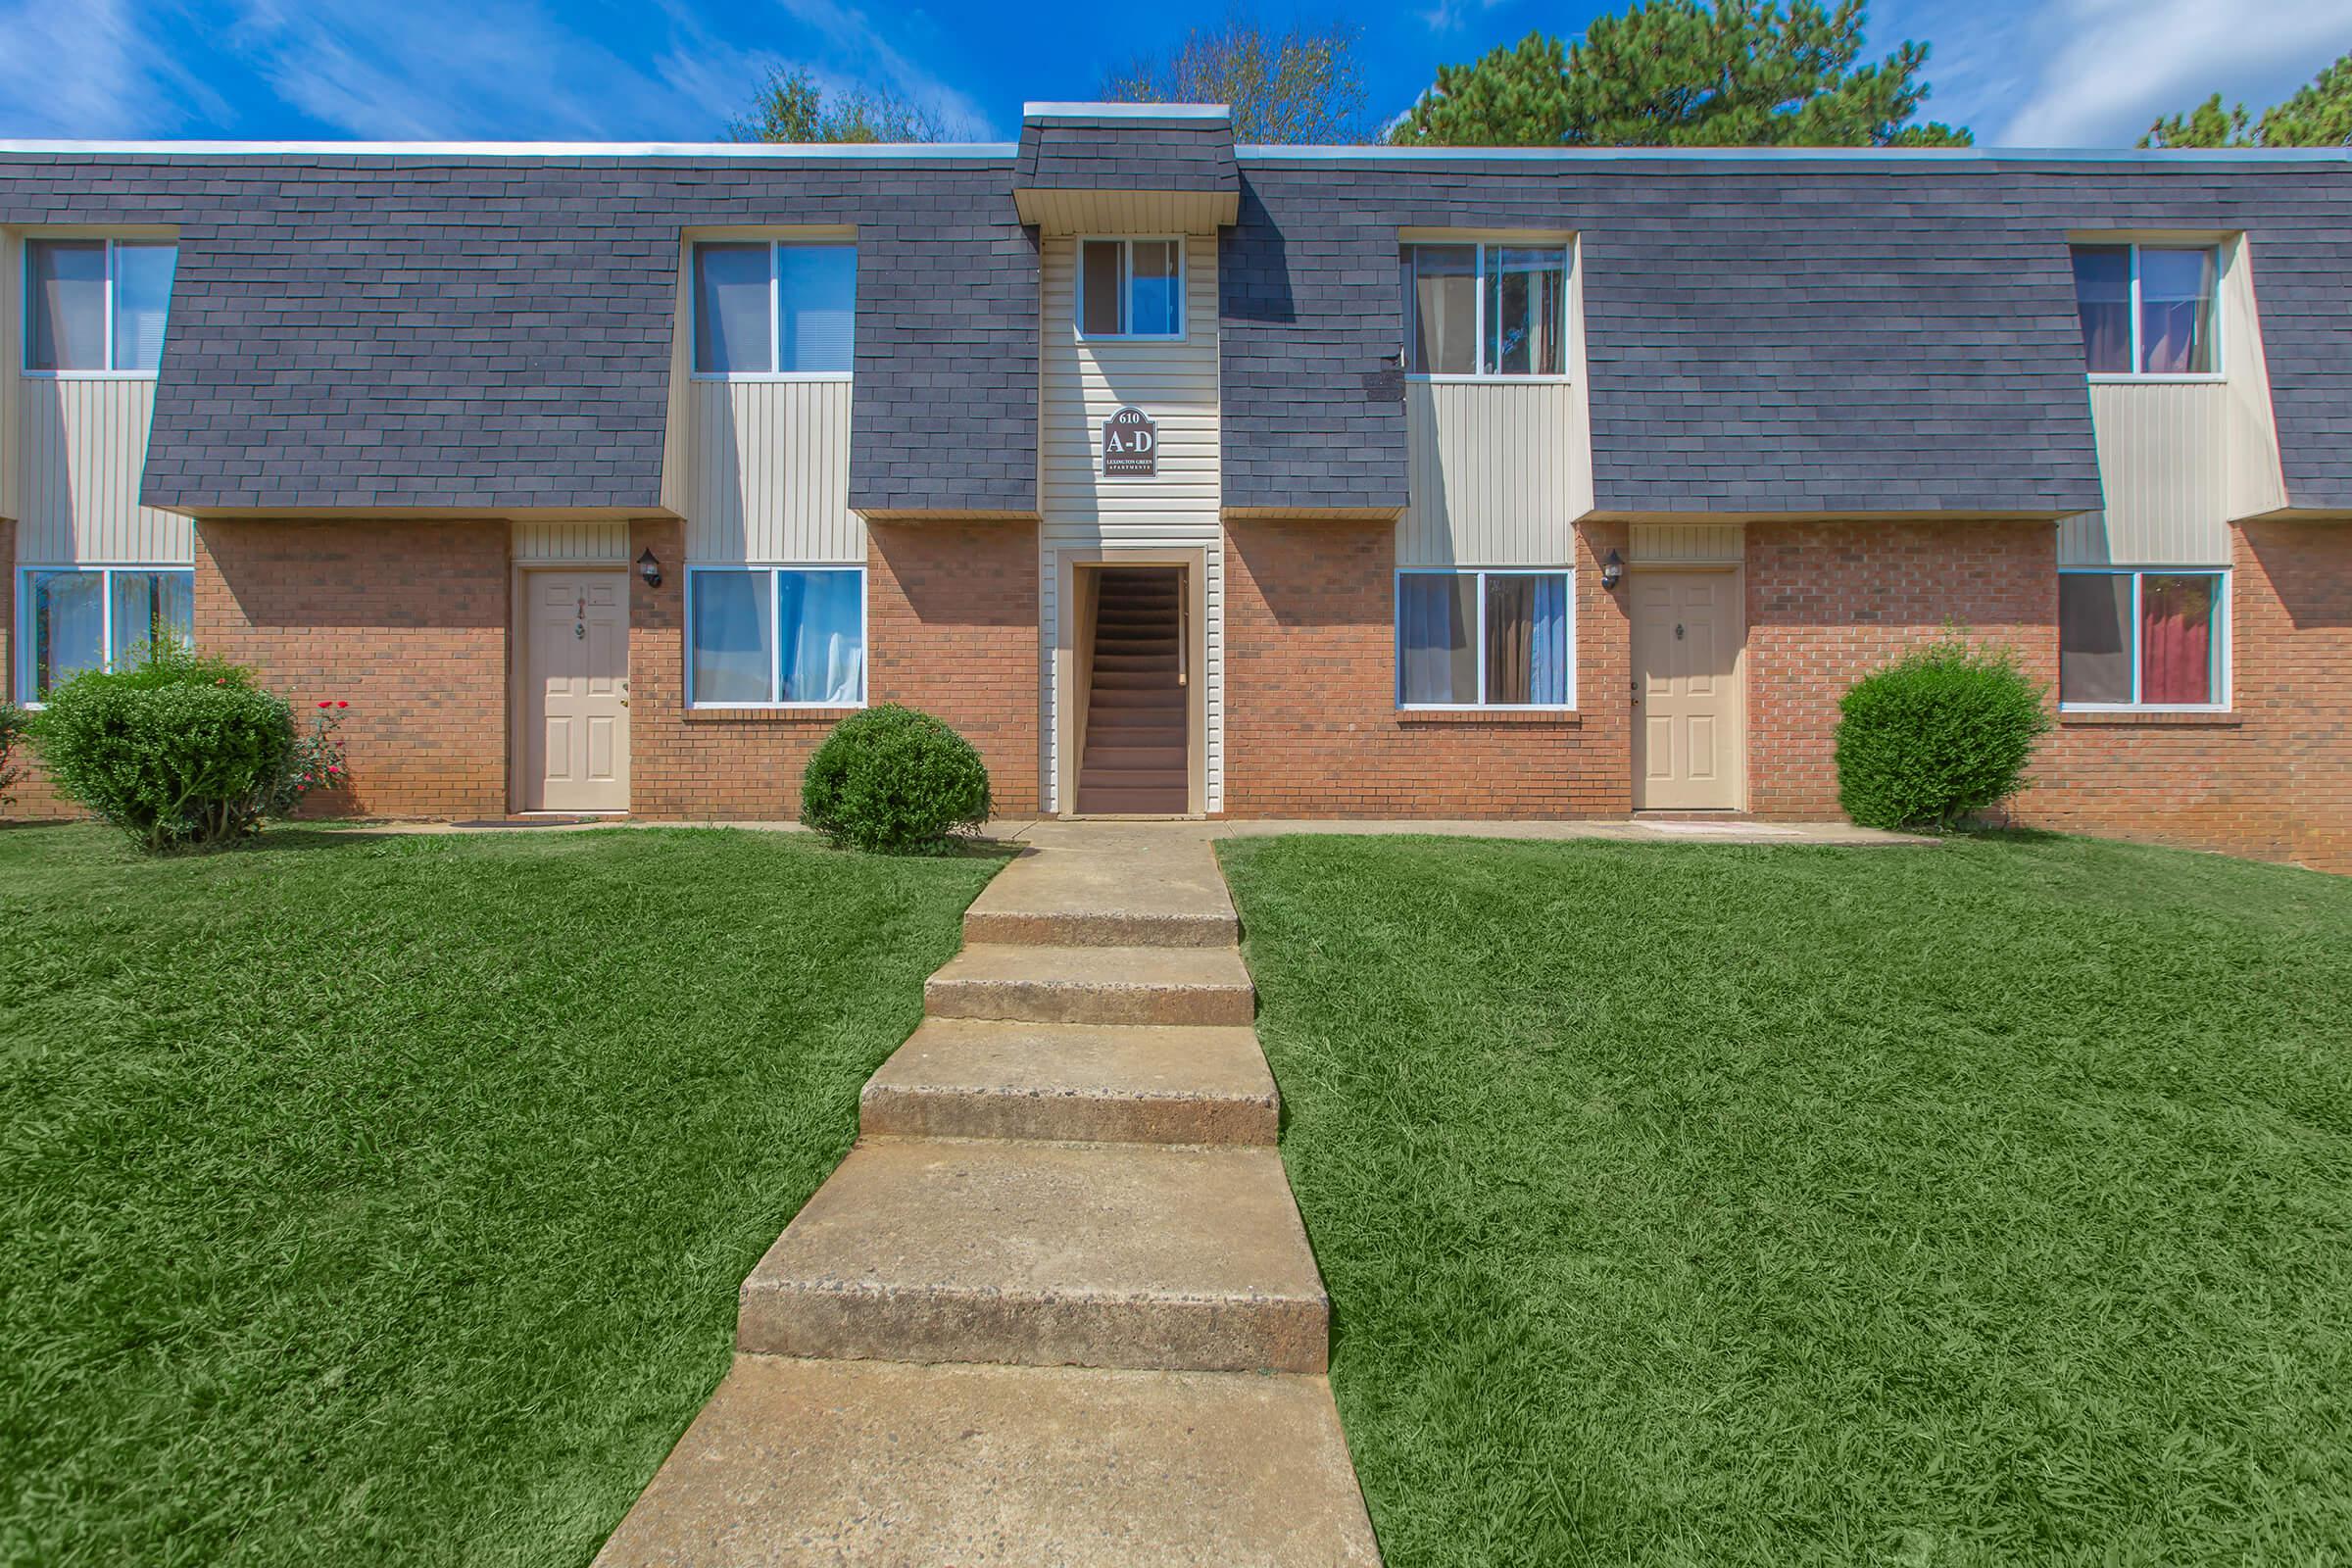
[1057, 1305]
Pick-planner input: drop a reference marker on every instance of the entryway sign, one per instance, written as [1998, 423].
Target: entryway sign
[1130, 445]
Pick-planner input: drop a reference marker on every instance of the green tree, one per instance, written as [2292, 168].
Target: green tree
[1303, 85]
[1688, 74]
[2319, 114]
[792, 108]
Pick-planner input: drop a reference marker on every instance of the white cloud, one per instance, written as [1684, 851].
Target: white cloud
[2106, 69]
[857, 52]
[91, 70]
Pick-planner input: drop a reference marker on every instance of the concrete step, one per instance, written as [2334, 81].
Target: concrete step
[1093, 985]
[1102, 1082]
[1165, 893]
[793, 1464]
[1044, 1255]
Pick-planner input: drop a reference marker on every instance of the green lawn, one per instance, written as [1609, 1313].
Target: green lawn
[1989, 1203]
[382, 1201]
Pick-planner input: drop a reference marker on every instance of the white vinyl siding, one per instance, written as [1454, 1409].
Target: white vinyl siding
[1497, 472]
[81, 448]
[1084, 382]
[762, 472]
[603, 544]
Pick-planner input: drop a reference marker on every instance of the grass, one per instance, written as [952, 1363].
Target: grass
[1704, 1204]
[384, 1199]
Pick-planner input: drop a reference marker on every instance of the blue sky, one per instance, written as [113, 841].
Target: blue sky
[2026, 72]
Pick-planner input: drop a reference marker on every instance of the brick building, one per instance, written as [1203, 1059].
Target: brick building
[1187, 477]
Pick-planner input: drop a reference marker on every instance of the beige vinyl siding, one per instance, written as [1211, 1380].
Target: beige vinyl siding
[1686, 543]
[1498, 473]
[765, 472]
[1081, 384]
[82, 445]
[564, 543]
[2179, 461]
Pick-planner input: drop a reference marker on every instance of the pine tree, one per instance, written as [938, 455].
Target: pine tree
[1688, 74]
[2319, 114]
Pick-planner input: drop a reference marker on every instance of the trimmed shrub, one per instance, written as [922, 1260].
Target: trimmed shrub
[13, 722]
[1936, 737]
[179, 753]
[893, 780]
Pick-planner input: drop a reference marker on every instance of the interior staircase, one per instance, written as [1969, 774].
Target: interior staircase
[1133, 761]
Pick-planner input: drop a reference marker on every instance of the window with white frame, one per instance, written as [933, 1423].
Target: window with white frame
[2143, 638]
[1131, 288]
[97, 307]
[77, 619]
[1484, 639]
[2148, 309]
[1480, 310]
[775, 308]
[775, 636]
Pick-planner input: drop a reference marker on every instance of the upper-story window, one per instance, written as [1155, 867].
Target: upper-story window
[1485, 310]
[1131, 288]
[775, 308]
[2148, 309]
[96, 305]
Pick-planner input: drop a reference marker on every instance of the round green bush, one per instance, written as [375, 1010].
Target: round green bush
[179, 753]
[895, 780]
[1940, 736]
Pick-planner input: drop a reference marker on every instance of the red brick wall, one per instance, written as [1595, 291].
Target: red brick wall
[952, 628]
[2274, 777]
[1827, 603]
[1311, 725]
[407, 622]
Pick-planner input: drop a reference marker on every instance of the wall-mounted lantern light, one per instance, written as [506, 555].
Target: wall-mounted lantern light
[649, 569]
[1612, 571]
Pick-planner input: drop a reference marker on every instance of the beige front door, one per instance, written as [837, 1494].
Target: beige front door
[1687, 628]
[576, 692]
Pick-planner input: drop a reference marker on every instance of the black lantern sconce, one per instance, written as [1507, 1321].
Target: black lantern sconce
[1612, 571]
[649, 569]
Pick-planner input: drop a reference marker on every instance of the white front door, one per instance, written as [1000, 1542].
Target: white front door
[576, 692]
[1687, 628]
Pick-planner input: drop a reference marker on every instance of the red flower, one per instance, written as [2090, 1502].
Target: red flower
[326, 704]
[342, 705]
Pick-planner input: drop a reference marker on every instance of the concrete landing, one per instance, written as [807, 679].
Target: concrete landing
[1093, 985]
[799, 1463]
[1099, 1083]
[1097, 898]
[1044, 1255]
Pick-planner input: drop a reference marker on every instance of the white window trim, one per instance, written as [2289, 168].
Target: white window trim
[2224, 641]
[2221, 362]
[1567, 250]
[775, 314]
[27, 645]
[24, 327]
[1479, 638]
[1126, 244]
[775, 657]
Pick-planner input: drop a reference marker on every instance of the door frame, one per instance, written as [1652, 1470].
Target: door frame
[1737, 575]
[518, 676]
[1068, 562]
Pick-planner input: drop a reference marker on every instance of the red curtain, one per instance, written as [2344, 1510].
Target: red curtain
[2175, 639]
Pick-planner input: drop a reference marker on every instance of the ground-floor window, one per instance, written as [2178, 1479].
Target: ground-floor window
[1484, 639]
[2144, 639]
[75, 619]
[775, 636]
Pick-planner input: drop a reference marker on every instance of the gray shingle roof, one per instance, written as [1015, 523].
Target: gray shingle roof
[1865, 335]
[495, 332]
[1126, 152]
